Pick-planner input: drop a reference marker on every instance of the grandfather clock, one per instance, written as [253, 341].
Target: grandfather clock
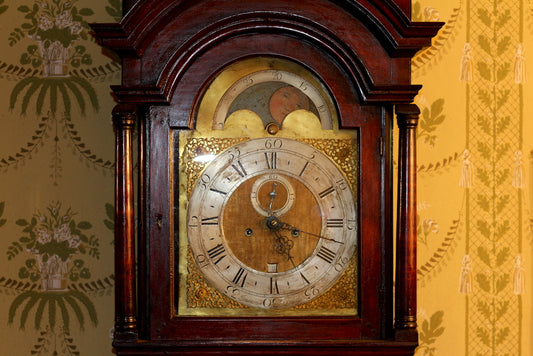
[264, 195]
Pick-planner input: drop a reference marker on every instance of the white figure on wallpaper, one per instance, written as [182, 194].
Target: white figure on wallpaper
[465, 279]
[519, 280]
[518, 172]
[467, 171]
[431, 14]
[520, 65]
[465, 74]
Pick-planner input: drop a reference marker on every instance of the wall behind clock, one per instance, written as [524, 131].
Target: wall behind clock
[475, 178]
[475, 218]
[56, 174]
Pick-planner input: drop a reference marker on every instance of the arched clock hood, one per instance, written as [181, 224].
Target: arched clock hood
[370, 41]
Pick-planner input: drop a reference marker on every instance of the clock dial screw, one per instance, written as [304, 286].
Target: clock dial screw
[249, 232]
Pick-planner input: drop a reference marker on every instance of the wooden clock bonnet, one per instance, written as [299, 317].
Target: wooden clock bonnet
[265, 191]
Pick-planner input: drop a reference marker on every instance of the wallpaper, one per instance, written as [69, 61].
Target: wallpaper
[475, 190]
[475, 148]
[56, 169]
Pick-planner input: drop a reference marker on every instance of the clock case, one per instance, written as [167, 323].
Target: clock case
[171, 50]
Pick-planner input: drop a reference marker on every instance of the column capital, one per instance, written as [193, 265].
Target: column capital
[124, 115]
[407, 115]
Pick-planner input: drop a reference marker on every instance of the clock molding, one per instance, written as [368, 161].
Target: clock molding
[356, 56]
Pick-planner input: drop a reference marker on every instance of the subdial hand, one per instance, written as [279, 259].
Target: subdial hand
[272, 195]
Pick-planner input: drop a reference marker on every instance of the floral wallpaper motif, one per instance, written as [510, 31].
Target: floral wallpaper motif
[54, 240]
[56, 162]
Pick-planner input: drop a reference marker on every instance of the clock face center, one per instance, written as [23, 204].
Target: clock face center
[275, 239]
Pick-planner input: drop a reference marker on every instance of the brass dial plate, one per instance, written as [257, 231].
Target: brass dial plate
[294, 263]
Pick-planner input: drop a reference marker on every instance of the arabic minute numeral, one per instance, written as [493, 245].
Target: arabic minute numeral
[341, 184]
[205, 179]
[202, 260]
[275, 143]
[193, 221]
[311, 292]
[277, 76]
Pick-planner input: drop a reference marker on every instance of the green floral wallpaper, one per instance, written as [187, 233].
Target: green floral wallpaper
[475, 191]
[56, 163]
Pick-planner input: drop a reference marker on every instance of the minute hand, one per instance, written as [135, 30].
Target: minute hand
[286, 226]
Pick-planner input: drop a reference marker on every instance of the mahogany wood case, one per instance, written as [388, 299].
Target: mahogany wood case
[171, 51]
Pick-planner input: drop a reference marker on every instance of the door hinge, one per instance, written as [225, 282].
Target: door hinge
[381, 144]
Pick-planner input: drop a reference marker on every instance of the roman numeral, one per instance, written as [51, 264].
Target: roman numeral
[326, 254]
[326, 192]
[305, 279]
[274, 286]
[271, 160]
[303, 169]
[239, 168]
[240, 277]
[210, 221]
[335, 223]
[217, 251]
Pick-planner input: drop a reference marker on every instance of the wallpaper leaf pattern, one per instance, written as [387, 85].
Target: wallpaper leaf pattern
[492, 200]
[486, 219]
[429, 331]
[55, 276]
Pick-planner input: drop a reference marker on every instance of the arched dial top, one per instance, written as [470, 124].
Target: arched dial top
[272, 223]
[319, 99]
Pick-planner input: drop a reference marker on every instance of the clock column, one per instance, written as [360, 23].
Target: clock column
[405, 316]
[124, 116]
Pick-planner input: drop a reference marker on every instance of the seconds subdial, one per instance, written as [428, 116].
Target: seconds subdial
[272, 194]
